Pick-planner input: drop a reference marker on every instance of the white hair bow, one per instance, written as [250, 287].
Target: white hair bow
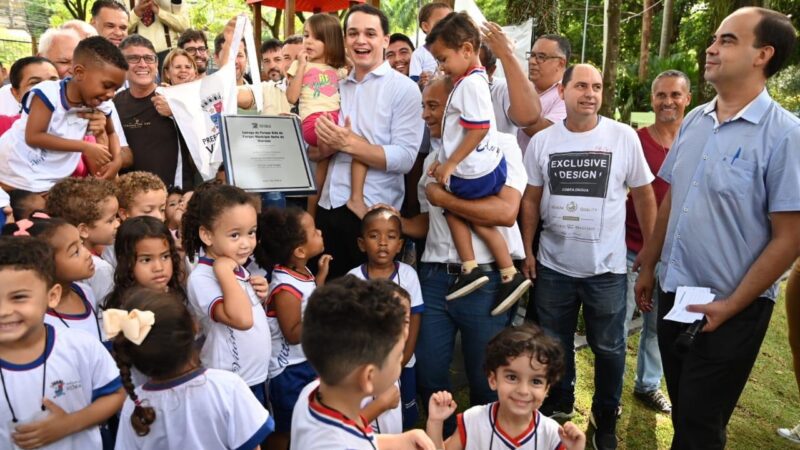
[134, 325]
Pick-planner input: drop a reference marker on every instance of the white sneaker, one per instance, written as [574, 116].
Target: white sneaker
[790, 434]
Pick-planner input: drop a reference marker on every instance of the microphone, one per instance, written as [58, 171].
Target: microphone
[686, 339]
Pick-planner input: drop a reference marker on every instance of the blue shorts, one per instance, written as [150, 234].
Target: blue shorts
[284, 391]
[260, 391]
[408, 397]
[472, 188]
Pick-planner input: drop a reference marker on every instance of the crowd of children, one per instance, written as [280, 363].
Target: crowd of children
[202, 358]
[137, 317]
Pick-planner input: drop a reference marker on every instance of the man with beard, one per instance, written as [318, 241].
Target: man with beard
[273, 86]
[194, 43]
[272, 60]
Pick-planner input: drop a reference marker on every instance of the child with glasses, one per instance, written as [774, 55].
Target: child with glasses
[46, 143]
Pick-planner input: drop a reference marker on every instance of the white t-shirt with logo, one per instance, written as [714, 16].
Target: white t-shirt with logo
[78, 370]
[300, 287]
[586, 177]
[469, 107]
[206, 408]
[245, 353]
[37, 169]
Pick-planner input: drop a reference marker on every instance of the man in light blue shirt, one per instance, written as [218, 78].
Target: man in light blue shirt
[380, 125]
[729, 222]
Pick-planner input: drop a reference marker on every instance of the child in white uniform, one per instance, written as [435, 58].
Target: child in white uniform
[222, 221]
[139, 193]
[381, 239]
[76, 307]
[46, 143]
[44, 370]
[422, 62]
[182, 404]
[470, 163]
[289, 239]
[147, 257]
[91, 205]
[521, 363]
[353, 336]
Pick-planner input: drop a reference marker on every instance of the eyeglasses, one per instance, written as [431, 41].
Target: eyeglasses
[195, 50]
[541, 57]
[134, 59]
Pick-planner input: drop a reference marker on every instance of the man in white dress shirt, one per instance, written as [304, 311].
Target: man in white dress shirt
[379, 124]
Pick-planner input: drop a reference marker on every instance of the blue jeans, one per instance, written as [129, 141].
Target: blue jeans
[648, 359]
[441, 320]
[558, 300]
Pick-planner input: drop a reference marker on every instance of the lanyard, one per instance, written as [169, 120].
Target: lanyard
[44, 377]
[91, 313]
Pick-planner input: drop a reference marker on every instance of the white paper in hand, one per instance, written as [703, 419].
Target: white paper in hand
[685, 296]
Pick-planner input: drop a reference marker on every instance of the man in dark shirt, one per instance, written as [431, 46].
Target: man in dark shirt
[156, 144]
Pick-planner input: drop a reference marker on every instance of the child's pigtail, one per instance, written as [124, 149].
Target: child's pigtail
[143, 416]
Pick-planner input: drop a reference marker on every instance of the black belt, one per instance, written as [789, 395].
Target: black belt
[455, 268]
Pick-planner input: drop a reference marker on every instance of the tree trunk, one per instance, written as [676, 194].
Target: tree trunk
[666, 27]
[275, 26]
[544, 13]
[644, 49]
[611, 57]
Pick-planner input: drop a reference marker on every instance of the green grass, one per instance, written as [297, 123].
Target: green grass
[770, 399]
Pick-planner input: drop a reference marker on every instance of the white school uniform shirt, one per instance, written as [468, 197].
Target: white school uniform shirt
[102, 282]
[439, 247]
[585, 179]
[422, 60]
[88, 322]
[109, 255]
[76, 372]
[469, 107]
[36, 169]
[391, 421]
[300, 286]
[245, 353]
[478, 430]
[315, 427]
[406, 277]
[206, 408]
[385, 108]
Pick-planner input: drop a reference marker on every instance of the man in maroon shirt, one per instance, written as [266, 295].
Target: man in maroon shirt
[669, 97]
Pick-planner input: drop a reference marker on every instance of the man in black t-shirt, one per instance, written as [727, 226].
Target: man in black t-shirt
[156, 144]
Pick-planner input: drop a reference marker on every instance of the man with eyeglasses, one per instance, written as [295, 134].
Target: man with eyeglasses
[156, 144]
[547, 61]
[194, 43]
